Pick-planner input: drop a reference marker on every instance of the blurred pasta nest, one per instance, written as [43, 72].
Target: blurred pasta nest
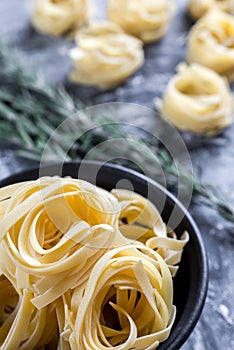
[146, 19]
[56, 17]
[105, 56]
[198, 8]
[198, 99]
[80, 267]
[211, 43]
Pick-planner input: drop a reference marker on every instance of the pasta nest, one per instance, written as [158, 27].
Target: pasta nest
[198, 8]
[211, 43]
[56, 17]
[105, 55]
[146, 19]
[198, 99]
[54, 232]
[127, 302]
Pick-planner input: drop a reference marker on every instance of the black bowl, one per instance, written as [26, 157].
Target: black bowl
[190, 283]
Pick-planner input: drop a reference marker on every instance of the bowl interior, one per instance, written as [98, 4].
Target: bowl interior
[190, 283]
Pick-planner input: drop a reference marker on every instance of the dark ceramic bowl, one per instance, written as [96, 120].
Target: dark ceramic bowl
[190, 283]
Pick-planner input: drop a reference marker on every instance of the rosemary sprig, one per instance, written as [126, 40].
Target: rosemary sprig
[30, 111]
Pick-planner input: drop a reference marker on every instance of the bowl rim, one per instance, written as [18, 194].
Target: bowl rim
[200, 295]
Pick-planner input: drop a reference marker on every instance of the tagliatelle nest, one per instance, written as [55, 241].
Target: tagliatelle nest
[198, 99]
[145, 19]
[211, 43]
[198, 8]
[56, 17]
[122, 290]
[105, 56]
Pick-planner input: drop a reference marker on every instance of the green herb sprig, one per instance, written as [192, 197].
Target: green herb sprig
[30, 111]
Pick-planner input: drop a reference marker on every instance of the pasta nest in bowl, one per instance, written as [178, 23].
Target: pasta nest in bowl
[56, 17]
[198, 8]
[82, 267]
[123, 303]
[54, 232]
[105, 56]
[197, 99]
[211, 43]
[145, 19]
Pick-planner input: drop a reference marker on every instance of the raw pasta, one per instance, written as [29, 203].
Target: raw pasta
[211, 43]
[198, 99]
[75, 271]
[198, 8]
[146, 19]
[105, 55]
[56, 17]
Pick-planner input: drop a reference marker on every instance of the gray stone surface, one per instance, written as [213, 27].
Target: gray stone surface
[215, 156]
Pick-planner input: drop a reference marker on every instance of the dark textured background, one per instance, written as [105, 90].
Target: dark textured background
[215, 156]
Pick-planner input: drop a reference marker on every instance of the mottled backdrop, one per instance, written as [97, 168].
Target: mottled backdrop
[214, 156]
